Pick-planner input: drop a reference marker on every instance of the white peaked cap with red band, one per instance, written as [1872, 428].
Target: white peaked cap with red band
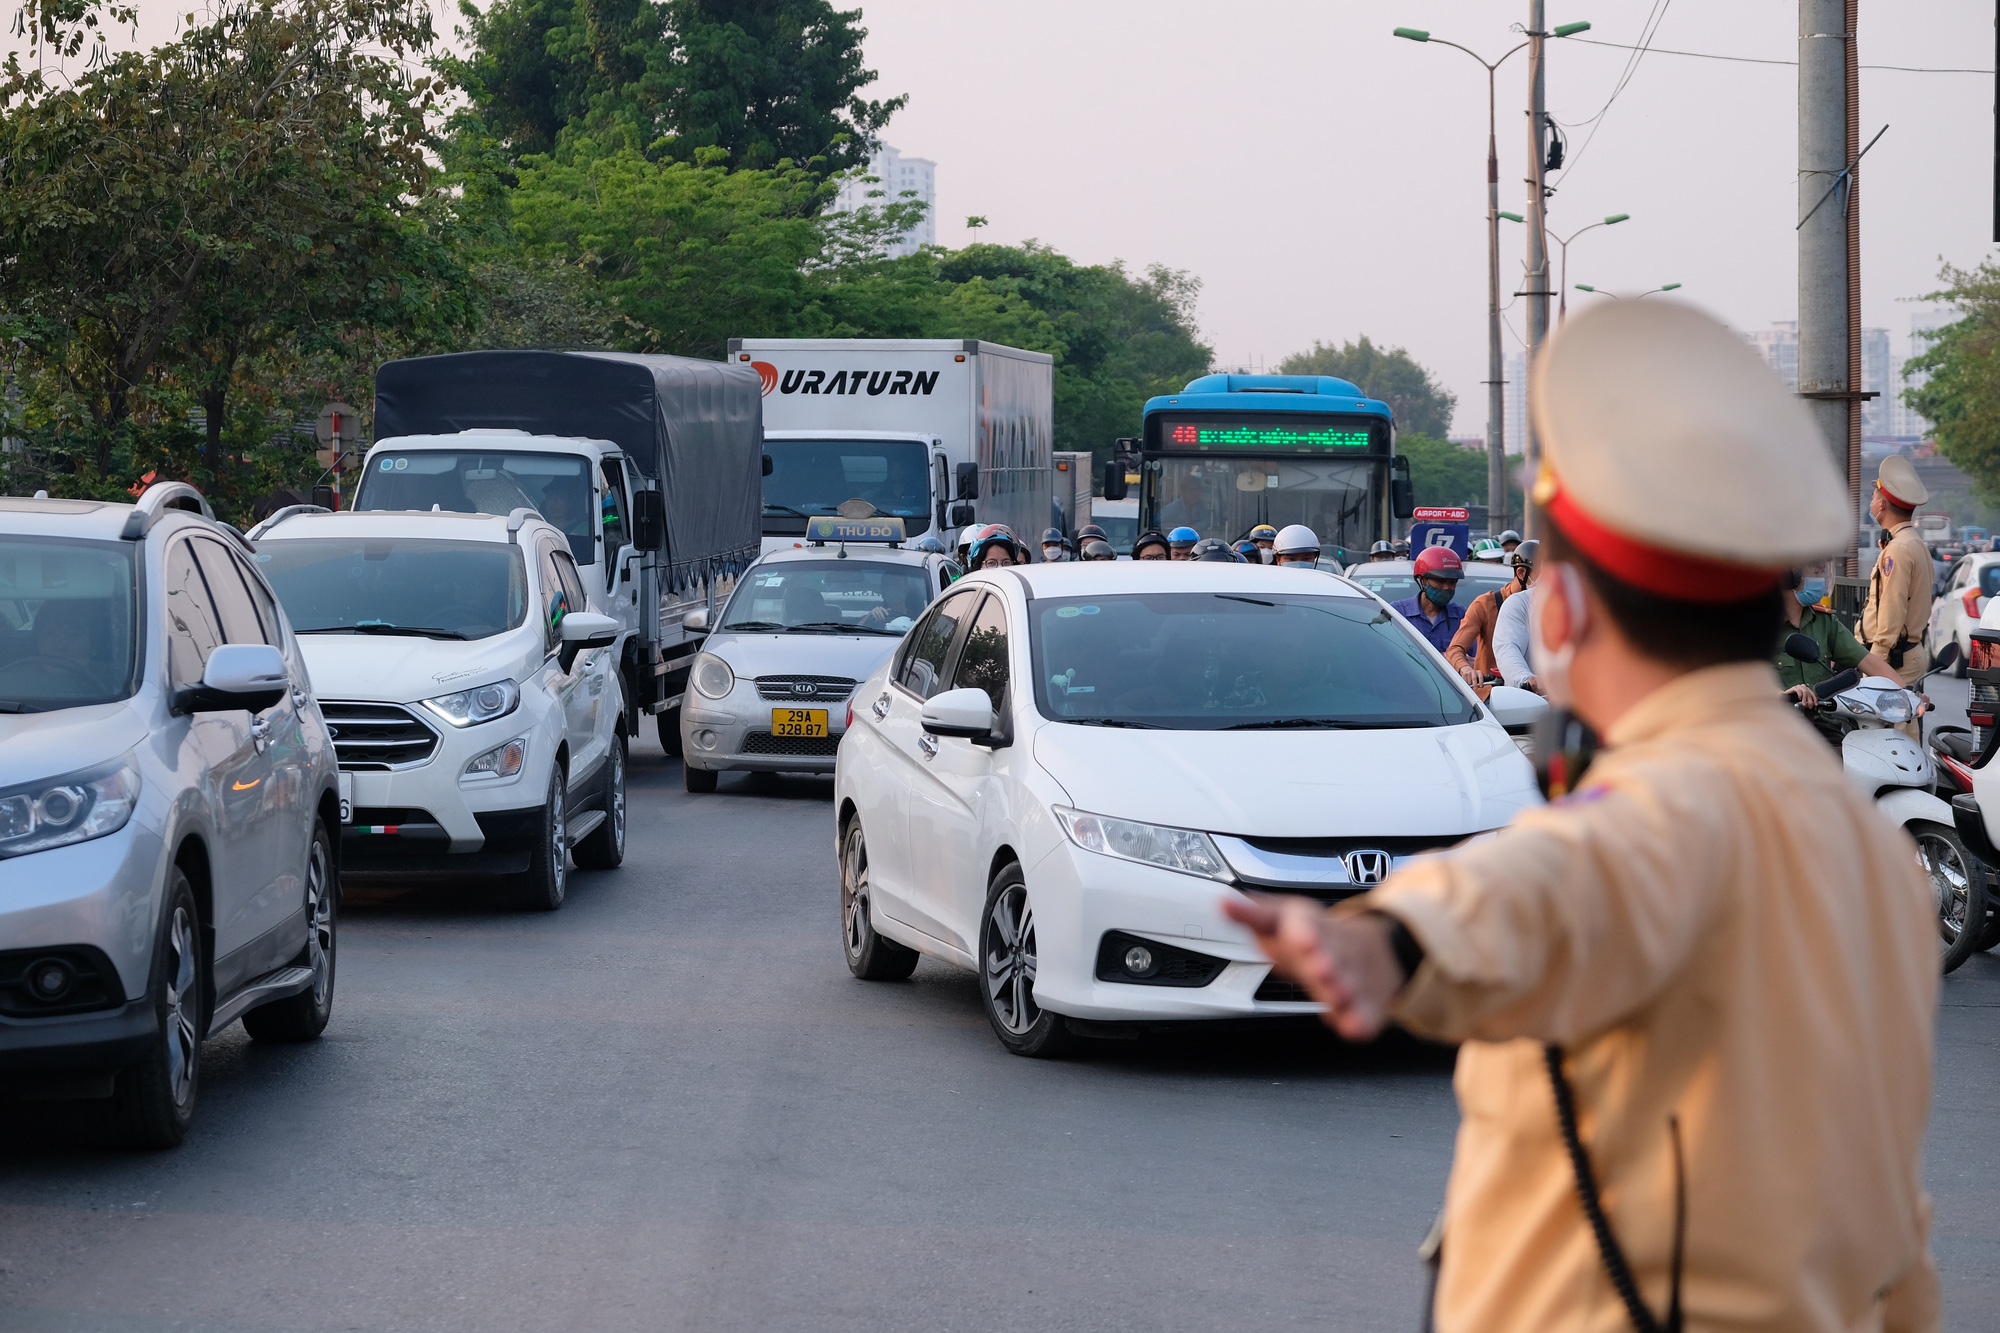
[1899, 481]
[1675, 459]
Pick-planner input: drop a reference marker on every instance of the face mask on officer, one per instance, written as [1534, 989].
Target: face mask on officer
[1551, 665]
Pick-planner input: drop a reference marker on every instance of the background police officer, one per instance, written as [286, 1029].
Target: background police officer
[1899, 591]
[1695, 993]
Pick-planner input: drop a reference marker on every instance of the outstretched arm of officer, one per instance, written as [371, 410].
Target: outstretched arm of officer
[1565, 923]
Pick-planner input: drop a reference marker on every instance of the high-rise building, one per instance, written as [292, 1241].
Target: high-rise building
[1923, 324]
[897, 177]
[1779, 346]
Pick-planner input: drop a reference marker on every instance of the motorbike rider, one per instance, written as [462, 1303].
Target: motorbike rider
[998, 550]
[1471, 650]
[1181, 542]
[1090, 532]
[1263, 536]
[1214, 548]
[1055, 546]
[1150, 545]
[1382, 550]
[1512, 630]
[1432, 612]
[1099, 549]
[1838, 648]
[1509, 540]
[1664, 1124]
[1296, 544]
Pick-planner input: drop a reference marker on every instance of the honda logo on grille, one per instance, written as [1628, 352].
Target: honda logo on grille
[1367, 868]
[804, 687]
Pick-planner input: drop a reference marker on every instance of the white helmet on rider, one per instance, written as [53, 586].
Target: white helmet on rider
[1296, 543]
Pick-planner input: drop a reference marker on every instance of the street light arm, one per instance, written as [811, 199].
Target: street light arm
[1490, 65]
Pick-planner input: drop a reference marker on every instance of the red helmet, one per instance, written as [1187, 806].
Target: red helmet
[1439, 562]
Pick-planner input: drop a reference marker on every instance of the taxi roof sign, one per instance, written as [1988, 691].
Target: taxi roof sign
[830, 528]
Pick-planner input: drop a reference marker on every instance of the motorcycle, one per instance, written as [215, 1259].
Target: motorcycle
[1861, 716]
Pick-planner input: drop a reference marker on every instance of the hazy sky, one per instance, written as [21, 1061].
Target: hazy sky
[1325, 180]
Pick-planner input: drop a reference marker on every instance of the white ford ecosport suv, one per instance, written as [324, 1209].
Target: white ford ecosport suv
[474, 706]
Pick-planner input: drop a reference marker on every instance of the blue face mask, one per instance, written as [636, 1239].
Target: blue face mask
[1811, 591]
[1438, 597]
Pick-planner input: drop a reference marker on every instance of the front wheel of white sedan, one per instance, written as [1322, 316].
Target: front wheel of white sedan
[1007, 963]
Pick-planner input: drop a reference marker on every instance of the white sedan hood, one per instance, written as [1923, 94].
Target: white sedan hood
[394, 669]
[852, 655]
[1294, 784]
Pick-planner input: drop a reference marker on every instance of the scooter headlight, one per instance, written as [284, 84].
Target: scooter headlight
[1893, 706]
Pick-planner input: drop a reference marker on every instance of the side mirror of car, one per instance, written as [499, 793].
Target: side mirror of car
[966, 713]
[1803, 647]
[585, 629]
[1114, 479]
[968, 481]
[1402, 491]
[696, 619]
[767, 465]
[1516, 709]
[649, 520]
[238, 675]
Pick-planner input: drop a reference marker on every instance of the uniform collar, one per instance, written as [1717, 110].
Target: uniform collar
[1906, 523]
[1697, 698]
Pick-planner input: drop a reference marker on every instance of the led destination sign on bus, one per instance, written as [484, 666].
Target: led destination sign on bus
[1240, 434]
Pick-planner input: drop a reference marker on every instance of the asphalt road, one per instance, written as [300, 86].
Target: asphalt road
[668, 1106]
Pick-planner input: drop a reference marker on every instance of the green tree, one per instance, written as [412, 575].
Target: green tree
[1962, 393]
[764, 81]
[1391, 375]
[1441, 473]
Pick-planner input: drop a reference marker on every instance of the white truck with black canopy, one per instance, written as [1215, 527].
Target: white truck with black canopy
[651, 465]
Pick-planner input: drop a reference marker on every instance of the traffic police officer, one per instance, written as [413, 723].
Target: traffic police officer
[1695, 993]
[1899, 591]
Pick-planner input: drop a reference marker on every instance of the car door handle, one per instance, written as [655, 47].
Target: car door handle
[880, 708]
[928, 744]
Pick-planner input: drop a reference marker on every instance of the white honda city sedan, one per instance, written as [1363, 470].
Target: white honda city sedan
[1064, 768]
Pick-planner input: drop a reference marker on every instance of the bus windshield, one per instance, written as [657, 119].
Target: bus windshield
[813, 477]
[1226, 497]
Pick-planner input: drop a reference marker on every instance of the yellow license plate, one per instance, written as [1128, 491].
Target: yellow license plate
[798, 722]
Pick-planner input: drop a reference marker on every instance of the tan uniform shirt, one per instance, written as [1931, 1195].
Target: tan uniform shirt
[1718, 926]
[1899, 599]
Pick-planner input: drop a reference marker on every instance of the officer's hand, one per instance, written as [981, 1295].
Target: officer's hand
[1803, 696]
[1346, 963]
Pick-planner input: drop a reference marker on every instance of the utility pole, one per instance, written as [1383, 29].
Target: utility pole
[1536, 289]
[1496, 373]
[1829, 240]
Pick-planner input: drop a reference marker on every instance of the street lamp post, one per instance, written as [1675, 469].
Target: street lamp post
[1650, 291]
[1496, 380]
[1562, 308]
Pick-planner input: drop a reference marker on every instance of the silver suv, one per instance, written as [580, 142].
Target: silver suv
[167, 799]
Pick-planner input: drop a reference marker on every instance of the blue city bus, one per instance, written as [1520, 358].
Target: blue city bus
[1229, 452]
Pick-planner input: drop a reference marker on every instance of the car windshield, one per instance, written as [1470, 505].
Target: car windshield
[556, 486]
[397, 585]
[69, 627]
[1214, 661]
[1226, 497]
[1401, 585]
[829, 596]
[811, 477]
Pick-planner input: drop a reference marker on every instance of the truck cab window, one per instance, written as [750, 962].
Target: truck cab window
[557, 486]
[613, 508]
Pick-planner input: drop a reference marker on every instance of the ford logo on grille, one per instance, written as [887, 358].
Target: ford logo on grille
[1367, 868]
[804, 687]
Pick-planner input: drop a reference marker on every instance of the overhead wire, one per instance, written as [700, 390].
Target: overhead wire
[1756, 60]
[1648, 30]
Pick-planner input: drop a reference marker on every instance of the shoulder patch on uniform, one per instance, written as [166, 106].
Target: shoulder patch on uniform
[1888, 563]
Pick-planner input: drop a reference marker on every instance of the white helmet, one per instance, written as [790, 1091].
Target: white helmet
[1296, 539]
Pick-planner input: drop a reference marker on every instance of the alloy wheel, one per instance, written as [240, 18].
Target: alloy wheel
[614, 808]
[559, 838]
[183, 1003]
[1010, 960]
[319, 933]
[854, 892]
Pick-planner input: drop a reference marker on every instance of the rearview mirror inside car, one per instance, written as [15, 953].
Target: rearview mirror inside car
[238, 675]
[966, 713]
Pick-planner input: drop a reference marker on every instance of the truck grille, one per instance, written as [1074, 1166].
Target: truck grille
[763, 742]
[376, 737]
[805, 689]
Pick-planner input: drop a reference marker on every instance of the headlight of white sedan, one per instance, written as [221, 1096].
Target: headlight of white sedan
[64, 810]
[1185, 850]
[482, 704]
[712, 676]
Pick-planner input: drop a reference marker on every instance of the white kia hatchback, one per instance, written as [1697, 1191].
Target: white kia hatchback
[1064, 768]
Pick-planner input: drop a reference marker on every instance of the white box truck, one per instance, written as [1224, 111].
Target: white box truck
[941, 433]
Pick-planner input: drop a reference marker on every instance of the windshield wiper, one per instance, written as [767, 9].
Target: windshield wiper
[11, 706]
[751, 624]
[376, 627]
[785, 509]
[1326, 724]
[1111, 722]
[836, 627]
[1230, 597]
